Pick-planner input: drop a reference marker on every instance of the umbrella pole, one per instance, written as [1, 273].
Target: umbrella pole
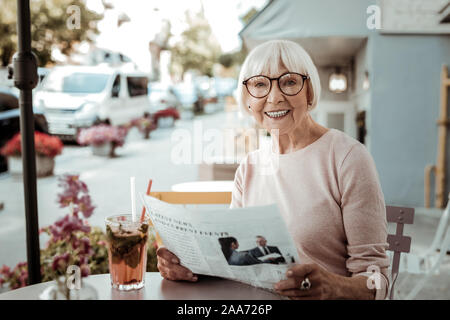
[26, 78]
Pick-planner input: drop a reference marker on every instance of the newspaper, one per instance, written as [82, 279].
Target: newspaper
[222, 242]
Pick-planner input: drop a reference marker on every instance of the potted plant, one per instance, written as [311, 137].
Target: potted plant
[145, 125]
[166, 117]
[72, 242]
[103, 139]
[47, 148]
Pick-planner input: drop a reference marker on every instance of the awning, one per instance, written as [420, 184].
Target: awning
[328, 29]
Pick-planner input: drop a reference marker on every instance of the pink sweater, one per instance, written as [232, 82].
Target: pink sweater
[330, 198]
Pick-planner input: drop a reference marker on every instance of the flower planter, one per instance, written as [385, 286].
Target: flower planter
[147, 134]
[44, 165]
[103, 150]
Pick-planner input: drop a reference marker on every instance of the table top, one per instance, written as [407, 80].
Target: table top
[157, 288]
[204, 186]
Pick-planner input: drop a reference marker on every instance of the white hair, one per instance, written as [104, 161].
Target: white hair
[268, 57]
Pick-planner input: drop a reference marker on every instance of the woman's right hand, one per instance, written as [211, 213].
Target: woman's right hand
[170, 268]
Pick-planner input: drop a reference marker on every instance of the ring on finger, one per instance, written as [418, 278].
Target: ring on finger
[305, 285]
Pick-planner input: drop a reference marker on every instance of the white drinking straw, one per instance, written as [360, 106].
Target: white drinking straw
[133, 198]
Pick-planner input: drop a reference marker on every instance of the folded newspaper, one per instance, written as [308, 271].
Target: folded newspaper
[222, 242]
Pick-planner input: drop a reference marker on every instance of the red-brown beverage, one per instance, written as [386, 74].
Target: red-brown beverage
[127, 251]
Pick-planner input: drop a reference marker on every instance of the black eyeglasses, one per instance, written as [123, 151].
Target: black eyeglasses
[290, 84]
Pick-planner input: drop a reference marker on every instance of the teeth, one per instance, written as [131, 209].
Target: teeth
[277, 113]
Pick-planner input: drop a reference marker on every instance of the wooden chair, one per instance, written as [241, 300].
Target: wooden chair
[174, 197]
[428, 262]
[398, 243]
[185, 198]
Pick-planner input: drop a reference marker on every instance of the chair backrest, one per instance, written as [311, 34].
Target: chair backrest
[193, 197]
[398, 243]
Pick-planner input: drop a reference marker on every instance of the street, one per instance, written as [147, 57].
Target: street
[108, 181]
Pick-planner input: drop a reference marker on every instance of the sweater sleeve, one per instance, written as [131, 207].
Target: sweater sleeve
[364, 216]
[238, 186]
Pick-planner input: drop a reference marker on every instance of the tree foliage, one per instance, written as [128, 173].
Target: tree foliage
[237, 58]
[48, 28]
[197, 48]
[248, 15]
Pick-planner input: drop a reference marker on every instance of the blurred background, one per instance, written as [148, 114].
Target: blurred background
[119, 80]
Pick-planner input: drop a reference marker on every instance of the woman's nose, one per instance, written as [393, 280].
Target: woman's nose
[275, 95]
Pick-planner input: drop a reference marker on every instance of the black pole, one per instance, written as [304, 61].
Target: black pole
[26, 78]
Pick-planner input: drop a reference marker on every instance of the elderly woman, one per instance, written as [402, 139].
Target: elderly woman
[324, 182]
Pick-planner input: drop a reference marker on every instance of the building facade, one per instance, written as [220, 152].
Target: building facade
[392, 54]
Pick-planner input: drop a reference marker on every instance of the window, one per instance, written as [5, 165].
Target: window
[8, 102]
[116, 87]
[75, 82]
[137, 86]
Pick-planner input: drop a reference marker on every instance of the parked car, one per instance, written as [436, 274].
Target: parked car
[75, 97]
[10, 119]
[207, 94]
[225, 86]
[162, 97]
[188, 95]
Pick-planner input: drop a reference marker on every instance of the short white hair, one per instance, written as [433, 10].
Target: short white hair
[268, 57]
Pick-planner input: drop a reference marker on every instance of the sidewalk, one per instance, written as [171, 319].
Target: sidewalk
[422, 234]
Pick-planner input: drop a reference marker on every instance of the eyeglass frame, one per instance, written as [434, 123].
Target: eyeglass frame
[304, 78]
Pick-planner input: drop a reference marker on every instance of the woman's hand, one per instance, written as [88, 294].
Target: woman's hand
[170, 268]
[324, 285]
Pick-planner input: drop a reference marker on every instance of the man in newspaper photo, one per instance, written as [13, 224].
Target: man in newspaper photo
[262, 250]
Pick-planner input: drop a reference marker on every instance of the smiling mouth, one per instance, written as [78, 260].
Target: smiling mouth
[277, 114]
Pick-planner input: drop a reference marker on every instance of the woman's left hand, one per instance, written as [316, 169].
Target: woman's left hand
[324, 284]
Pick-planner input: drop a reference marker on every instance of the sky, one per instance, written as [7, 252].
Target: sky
[132, 38]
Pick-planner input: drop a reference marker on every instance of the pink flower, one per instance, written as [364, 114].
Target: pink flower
[5, 270]
[101, 243]
[23, 278]
[66, 226]
[85, 246]
[85, 206]
[84, 260]
[60, 262]
[85, 270]
[101, 134]
[75, 192]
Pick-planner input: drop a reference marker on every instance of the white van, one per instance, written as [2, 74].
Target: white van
[73, 97]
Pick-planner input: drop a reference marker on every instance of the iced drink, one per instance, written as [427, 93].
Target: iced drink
[127, 251]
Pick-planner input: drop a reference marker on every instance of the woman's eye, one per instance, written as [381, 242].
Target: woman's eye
[290, 83]
[260, 84]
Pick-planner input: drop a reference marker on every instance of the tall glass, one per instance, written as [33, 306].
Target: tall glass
[127, 251]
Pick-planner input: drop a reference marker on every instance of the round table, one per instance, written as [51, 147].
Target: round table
[157, 288]
[204, 186]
